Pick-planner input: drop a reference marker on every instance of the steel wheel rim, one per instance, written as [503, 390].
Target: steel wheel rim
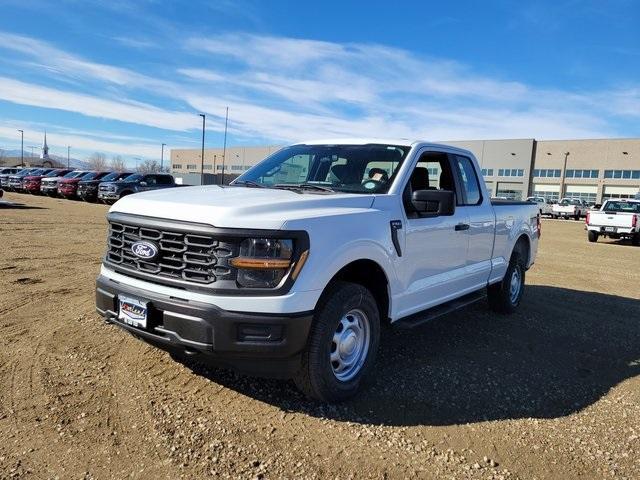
[515, 286]
[350, 345]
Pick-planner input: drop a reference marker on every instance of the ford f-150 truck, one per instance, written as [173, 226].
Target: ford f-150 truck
[569, 207]
[109, 192]
[617, 218]
[546, 208]
[32, 183]
[88, 189]
[292, 269]
[49, 186]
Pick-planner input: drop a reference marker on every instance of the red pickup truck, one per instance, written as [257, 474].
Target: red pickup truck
[68, 187]
[31, 184]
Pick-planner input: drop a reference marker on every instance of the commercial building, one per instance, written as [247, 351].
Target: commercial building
[593, 170]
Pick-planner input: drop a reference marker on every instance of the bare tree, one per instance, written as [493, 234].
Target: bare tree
[117, 164]
[97, 161]
[149, 166]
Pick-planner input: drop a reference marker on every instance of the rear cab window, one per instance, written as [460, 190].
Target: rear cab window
[470, 186]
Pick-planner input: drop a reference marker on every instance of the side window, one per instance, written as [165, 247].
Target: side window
[432, 172]
[150, 179]
[163, 180]
[468, 180]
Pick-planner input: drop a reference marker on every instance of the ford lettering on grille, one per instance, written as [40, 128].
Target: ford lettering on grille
[145, 250]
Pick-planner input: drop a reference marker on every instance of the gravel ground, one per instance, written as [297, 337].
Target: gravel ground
[550, 392]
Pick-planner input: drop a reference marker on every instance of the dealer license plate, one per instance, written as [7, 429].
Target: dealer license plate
[133, 312]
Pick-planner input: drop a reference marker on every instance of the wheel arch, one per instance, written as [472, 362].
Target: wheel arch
[523, 245]
[369, 274]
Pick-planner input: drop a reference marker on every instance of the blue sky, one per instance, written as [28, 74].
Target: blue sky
[123, 77]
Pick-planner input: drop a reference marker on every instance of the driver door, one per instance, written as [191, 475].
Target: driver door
[432, 266]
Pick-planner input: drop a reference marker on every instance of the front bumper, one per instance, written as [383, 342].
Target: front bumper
[259, 344]
[108, 195]
[48, 189]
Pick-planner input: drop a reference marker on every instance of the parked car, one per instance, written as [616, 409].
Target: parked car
[68, 187]
[49, 186]
[109, 192]
[4, 178]
[32, 183]
[88, 189]
[312, 250]
[618, 218]
[5, 173]
[16, 181]
[545, 206]
[569, 207]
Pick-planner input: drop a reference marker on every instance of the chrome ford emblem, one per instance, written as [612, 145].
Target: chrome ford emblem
[145, 250]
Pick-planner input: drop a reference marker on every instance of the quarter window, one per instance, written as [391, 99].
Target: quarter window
[469, 180]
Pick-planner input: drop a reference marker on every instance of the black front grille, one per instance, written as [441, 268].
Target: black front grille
[183, 256]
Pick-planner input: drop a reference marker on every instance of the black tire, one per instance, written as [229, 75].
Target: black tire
[316, 377]
[635, 240]
[577, 217]
[592, 236]
[500, 295]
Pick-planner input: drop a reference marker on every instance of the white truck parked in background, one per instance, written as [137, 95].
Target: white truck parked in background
[617, 218]
[292, 269]
[544, 206]
[569, 207]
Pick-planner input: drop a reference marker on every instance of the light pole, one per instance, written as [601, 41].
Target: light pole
[202, 158]
[21, 148]
[224, 147]
[562, 177]
[162, 156]
[68, 154]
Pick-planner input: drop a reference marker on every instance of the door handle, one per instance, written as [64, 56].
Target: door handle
[462, 226]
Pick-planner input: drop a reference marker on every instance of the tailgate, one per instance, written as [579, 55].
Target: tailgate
[611, 219]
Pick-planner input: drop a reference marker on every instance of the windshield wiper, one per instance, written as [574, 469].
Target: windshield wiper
[250, 183]
[302, 186]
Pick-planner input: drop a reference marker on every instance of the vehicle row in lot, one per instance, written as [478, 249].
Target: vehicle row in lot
[566, 208]
[88, 185]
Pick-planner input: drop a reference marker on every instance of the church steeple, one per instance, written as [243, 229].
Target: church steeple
[45, 148]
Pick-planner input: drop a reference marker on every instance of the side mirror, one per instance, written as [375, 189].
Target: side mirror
[143, 184]
[434, 202]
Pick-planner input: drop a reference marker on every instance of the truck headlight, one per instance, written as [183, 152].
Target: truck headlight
[263, 262]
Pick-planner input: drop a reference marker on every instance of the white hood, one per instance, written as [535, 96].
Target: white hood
[239, 207]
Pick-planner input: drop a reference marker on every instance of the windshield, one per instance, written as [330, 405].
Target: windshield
[111, 176]
[622, 206]
[24, 173]
[74, 174]
[132, 178]
[345, 168]
[55, 173]
[566, 201]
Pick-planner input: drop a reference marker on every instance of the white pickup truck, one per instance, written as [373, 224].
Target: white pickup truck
[292, 269]
[569, 207]
[544, 206]
[617, 218]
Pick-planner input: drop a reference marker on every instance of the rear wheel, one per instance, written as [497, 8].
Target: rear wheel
[576, 217]
[505, 296]
[593, 236]
[635, 240]
[342, 344]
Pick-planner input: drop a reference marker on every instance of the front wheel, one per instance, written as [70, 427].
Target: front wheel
[505, 296]
[342, 344]
[593, 236]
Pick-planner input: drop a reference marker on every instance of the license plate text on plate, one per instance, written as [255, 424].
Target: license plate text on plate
[133, 312]
[609, 229]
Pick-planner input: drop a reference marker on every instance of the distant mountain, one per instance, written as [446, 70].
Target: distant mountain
[74, 162]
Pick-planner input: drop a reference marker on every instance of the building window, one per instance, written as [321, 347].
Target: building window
[635, 174]
[510, 194]
[587, 197]
[192, 167]
[521, 173]
[176, 166]
[501, 172]
[487, 172]
[236, 167]
[208, 167]
[546, 173]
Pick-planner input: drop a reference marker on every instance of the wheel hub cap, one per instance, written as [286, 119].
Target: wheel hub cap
[350, 345]
[514, 288]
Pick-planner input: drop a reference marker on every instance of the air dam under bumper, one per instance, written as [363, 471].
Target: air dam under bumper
[258, 344]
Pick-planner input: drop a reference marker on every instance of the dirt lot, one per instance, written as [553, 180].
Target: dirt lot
[551, 392]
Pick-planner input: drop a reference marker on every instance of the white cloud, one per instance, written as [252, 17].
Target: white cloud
[125, 111]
